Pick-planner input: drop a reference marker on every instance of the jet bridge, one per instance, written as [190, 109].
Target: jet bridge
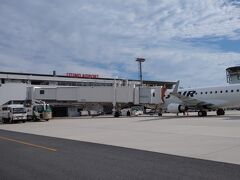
[86, 97]
[104, 94]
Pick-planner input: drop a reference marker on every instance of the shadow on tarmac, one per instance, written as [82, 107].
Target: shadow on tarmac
[225, 117]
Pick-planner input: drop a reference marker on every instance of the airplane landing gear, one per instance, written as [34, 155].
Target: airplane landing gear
[220, 112]
[202, 113]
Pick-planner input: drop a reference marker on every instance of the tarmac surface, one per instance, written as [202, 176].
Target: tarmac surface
[213, 137]
[27, 157]
[188, 140]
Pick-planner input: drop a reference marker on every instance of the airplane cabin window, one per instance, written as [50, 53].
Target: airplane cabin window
[205, 92]
[210, 92]
[237, 90]
[231, 90]
[221, 91]
[226, 91]
[201, 92]
[216, 92]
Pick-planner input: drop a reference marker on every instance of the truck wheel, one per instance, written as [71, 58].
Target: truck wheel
[4, 120]
[116, 114]
[220, 112]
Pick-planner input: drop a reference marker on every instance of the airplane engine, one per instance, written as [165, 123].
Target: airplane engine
[176, 108]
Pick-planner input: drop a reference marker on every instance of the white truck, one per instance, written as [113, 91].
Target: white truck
[12, 113]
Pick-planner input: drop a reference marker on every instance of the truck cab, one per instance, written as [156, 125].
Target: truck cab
[41, 110]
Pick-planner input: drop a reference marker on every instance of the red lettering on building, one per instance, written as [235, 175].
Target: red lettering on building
[78, 75]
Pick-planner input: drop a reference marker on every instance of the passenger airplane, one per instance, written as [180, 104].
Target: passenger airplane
[200, 99]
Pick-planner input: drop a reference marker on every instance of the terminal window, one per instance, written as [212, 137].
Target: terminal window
[41, 91]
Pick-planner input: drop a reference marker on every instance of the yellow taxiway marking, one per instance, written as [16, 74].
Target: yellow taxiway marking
[28, 144]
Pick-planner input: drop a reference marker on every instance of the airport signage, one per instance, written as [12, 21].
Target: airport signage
[79, 75]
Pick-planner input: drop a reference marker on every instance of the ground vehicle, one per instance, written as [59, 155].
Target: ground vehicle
[90, 113]
[94, 113]
[13, 112]
[38, 110]
[133, 111]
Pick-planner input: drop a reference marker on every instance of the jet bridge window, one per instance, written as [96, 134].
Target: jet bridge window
[41, 91]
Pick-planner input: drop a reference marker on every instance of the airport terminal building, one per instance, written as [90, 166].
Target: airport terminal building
[70, 93]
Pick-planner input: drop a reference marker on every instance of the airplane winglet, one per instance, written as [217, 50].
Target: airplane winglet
[175, 90]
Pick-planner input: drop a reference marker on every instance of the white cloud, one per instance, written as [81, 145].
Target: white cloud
[106, 36]
[194, 67]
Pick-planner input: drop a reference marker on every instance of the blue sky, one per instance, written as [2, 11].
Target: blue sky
[189, 40]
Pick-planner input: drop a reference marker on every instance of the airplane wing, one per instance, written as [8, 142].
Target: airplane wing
[190, 101]
[194, 103]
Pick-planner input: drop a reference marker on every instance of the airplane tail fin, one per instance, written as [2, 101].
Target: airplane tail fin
[163, 91]
[175, 90]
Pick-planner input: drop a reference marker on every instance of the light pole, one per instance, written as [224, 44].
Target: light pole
[140, 60]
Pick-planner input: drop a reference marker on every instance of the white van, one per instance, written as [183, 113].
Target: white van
[13, 112]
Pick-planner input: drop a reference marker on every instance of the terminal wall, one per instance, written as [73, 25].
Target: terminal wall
[12, 91]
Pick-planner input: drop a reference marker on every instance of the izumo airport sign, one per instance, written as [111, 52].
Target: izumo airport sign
[79, 75]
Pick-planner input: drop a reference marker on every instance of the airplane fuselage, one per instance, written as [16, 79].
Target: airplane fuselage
[227, 96]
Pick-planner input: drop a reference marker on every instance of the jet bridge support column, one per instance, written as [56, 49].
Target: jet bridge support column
[115, 113]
